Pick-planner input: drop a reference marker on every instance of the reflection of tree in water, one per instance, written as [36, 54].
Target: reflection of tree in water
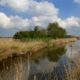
[50, 54]
[54, 55]
[36, 61]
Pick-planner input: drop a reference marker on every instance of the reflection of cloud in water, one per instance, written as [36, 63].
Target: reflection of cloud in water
[44, 65]
[66, 68]
[74, 51]
[68, 62]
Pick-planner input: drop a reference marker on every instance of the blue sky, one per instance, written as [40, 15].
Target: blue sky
[67, 8]
[18, 15]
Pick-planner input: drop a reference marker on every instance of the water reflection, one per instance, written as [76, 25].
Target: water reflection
[55, 55]
[43, 65]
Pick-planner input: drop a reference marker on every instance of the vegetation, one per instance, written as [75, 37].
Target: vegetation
[53, 31]
[64, 70]
[10, 46]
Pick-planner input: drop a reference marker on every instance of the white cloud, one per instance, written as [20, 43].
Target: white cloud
[4, 20]
[42, 13]
[17, 5]
[12, 22]
[42, 21]
[31, 6]
[45, 20]
[73, 21]
[43, 9]
[77, 1]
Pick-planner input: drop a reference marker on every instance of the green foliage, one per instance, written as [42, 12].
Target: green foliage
[21, 35]
[57, 54]
[36, 29]
[53, 31]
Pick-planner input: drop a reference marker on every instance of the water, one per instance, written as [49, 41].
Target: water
[41, 65]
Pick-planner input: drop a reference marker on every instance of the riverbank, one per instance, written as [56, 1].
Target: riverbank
[11, 47]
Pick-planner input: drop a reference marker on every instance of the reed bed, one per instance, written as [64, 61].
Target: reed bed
[11, 47]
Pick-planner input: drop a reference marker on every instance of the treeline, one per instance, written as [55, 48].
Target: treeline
[52, 31]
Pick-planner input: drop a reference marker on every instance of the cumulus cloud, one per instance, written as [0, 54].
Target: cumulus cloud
[73, 21]
[17, 5]
[4, 20]
[31, 6]
[42, 21]
[42, 13]
[12, 22]
[45, 20]
[43, 9]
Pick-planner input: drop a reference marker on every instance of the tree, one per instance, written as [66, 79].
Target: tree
[36, 28]
[43, 33]
[55, 31]
[21, 35]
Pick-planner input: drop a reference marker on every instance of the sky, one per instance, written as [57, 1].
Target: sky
[16, 15]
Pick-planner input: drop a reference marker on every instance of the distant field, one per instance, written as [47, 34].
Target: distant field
[9, 46]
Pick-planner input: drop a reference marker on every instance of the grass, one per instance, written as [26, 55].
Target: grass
[9, 46]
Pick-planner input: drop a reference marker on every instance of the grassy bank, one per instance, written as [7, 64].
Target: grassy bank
[9, 46]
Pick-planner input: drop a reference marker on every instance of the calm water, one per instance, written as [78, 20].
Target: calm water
[43, 65]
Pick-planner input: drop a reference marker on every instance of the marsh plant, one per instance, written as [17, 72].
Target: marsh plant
[47, 41]
[67, 70]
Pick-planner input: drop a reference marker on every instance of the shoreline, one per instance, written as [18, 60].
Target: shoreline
[16, 48]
